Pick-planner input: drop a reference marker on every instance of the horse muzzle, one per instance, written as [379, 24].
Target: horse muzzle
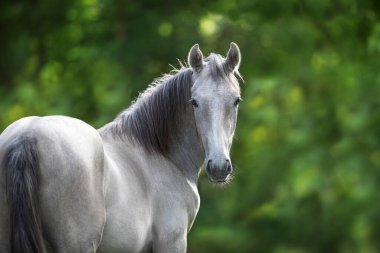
[218, 171]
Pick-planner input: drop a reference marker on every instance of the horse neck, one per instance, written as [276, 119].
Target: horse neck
[154, 124]
[186, 150]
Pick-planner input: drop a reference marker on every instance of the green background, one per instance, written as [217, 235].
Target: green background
[307, 147]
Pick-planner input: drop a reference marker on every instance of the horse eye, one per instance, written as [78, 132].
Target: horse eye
[237, 101]
[194, 102]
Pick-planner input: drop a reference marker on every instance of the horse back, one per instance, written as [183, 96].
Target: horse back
[70, 194]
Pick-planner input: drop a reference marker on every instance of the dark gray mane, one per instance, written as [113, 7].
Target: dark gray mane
[156, 114]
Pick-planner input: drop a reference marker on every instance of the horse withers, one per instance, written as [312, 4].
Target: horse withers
[130, 186]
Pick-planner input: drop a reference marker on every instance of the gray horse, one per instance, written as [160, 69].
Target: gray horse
[130, 186]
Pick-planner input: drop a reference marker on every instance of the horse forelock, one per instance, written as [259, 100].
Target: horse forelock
[218, 70]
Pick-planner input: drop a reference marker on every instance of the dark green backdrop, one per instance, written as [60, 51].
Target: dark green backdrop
[307, 148]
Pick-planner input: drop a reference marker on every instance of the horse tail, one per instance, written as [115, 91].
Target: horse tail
[22, 176]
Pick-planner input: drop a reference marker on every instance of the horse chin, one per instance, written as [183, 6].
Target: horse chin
[220, 181]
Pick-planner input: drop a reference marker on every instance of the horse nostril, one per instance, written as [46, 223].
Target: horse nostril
[229, 167]
[209, 164]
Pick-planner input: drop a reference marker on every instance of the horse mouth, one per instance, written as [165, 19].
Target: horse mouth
[224, 180]
[218, 180]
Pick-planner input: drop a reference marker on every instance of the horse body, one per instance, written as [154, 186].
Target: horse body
[130, 186]
[144, 197]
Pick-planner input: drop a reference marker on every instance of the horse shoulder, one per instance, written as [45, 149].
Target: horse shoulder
[176, 199]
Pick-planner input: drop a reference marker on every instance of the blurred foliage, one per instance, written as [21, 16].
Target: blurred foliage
[307, 148]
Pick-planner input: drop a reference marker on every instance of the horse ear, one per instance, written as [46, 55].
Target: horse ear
[233, 58]
[195, 58]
